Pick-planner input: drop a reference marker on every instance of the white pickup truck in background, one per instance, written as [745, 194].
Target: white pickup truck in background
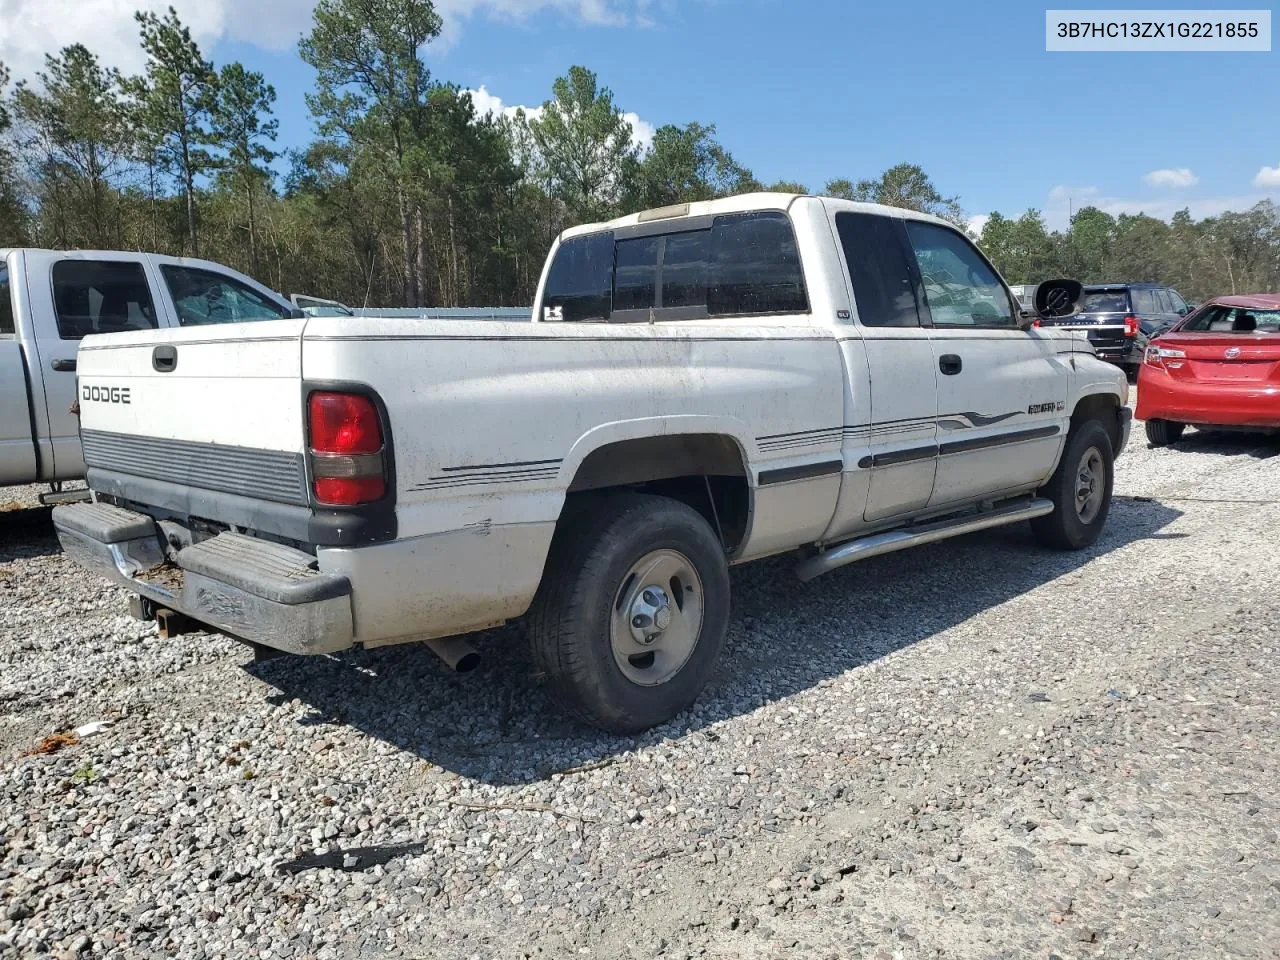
[51, 299]
[702, 385]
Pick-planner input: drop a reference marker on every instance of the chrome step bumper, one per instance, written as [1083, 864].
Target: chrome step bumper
[247, 588]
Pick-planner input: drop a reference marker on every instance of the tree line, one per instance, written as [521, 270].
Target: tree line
[408, 196]
[1234, 252]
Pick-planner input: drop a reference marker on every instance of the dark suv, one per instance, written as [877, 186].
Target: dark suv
[1119, 319]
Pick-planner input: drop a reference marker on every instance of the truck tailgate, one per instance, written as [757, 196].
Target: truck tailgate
[207, 408]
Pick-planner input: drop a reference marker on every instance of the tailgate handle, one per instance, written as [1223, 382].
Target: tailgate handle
[63, 365]
[164, 358]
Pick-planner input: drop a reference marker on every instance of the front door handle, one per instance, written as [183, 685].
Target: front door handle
[950, 364]
[64, 366]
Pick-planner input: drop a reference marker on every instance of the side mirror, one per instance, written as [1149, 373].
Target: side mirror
[1058, 299]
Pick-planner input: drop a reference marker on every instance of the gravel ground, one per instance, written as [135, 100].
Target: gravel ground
[972, 750]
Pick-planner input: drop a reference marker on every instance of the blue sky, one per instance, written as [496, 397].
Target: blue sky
[815, 89]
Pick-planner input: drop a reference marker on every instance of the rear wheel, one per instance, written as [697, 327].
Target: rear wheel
[1080, 490]
[631, 615]
[1161, 433]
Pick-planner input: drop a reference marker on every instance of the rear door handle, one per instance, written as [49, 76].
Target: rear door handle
[950, 364]
[64, 366]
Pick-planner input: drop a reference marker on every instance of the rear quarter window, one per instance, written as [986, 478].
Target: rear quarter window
[580, 282]
[754, 266]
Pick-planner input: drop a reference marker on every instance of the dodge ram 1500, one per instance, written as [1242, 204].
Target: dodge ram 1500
[698, 386]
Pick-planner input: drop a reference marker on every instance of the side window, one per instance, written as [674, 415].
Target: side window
[580, 282]
[754, 266]
[1143, 300]
[204, 297]
[1163, 304]
[101, 296]
[878, 268]
[1175, 299]
[961, 289]
[6, 302]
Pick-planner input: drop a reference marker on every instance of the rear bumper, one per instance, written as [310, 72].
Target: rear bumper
[1128, 354]
[250, 589]
[1222, 403]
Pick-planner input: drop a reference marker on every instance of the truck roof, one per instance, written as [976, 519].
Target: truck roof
[743, 203]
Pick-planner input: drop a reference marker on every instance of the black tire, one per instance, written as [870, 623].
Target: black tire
[1161, 433]
[586, 578]
[1065, 528]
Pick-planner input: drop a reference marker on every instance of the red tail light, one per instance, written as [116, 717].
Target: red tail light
[1130, 326]
[1157, 356]
[345, 438]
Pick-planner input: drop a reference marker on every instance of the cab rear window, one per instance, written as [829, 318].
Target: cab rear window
[742, 264]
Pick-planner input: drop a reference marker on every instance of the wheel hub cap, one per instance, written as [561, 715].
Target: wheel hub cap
[650, 614]
[657, 617]
[1090, 475]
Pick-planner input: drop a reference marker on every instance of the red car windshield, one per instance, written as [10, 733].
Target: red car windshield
[1224, 319]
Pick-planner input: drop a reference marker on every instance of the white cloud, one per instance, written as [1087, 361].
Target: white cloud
[486, 103]
[977, 222]
[607, 13]
[1173, 178]
[1063, 200]
[32, 28]
[642, 131]
[1267, 177]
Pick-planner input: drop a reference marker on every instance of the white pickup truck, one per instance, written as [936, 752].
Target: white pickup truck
[699, 386]
[51, 299]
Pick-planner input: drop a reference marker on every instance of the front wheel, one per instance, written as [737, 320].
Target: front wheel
[631, 615]
[1161, 433]
[1080, 490]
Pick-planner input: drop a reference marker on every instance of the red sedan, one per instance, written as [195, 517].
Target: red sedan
[1219, 367]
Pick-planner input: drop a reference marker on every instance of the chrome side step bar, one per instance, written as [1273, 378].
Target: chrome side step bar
[894, 540]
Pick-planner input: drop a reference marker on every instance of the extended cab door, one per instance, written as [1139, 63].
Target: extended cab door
[73, 295]
[1002, 391]
[896, 439]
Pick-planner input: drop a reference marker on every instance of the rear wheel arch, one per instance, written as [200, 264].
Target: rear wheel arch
[706, 471]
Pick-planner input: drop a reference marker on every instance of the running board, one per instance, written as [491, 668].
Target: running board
[894, 540]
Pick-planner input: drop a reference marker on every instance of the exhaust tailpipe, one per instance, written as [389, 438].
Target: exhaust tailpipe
[461, 656]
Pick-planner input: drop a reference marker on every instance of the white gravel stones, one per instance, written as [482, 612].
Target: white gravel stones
[973, 750]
